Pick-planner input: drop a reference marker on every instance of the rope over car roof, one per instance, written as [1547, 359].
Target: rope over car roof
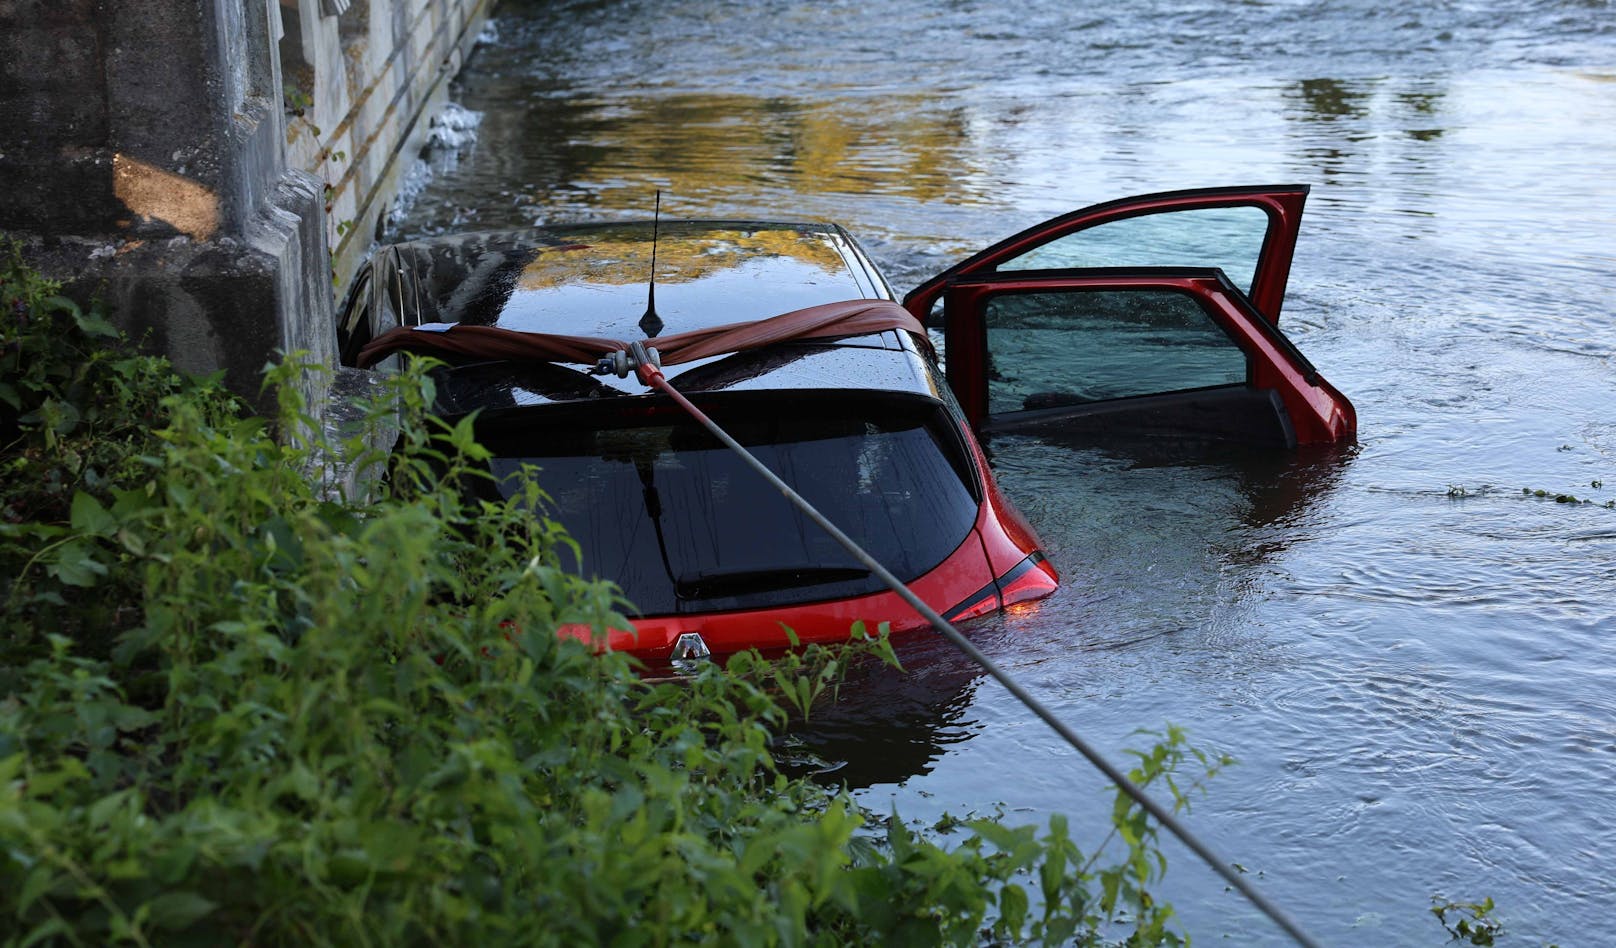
[825, 321]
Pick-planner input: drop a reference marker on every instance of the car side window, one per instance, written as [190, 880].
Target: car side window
[1230, 238]
[1073, 346]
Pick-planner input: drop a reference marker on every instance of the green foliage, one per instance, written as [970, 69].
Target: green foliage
[1566, 498]
[296, 101]
[1013, 885]
[235, 710]
[78, 414]
[1468, 922]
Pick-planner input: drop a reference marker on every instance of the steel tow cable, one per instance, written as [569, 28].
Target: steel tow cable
[650, 373]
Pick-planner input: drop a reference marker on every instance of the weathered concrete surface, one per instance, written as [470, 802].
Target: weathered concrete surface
[151, 151]
[142, 118]
[365, 84]
[229, 303]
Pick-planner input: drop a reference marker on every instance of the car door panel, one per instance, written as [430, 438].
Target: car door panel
[1149, 315]
[1168, 351]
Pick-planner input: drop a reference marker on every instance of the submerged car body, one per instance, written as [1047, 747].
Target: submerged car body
[867, 427]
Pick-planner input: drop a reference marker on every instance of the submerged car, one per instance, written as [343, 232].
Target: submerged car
[1154, 316]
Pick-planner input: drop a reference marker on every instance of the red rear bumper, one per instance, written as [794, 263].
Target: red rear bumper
[994, 567]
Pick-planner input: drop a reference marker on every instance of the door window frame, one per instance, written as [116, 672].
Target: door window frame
[975, 322]
[965, 323]
[1282, 203]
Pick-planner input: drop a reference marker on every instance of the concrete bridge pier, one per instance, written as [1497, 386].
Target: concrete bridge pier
[160, 154]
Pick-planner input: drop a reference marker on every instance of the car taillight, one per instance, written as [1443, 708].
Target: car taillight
[1033, 583]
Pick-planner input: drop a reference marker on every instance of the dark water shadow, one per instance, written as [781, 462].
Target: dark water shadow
[888, 725]
[1275, 484]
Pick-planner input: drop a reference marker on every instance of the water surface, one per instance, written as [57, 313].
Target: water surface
[1412, 659]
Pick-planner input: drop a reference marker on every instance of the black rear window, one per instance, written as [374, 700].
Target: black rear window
[676, 519]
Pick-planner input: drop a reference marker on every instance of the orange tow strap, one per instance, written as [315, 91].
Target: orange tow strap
[825, 321]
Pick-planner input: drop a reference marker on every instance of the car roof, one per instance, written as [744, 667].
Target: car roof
[591, 280]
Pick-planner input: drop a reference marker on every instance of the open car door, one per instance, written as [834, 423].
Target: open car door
[1155, 315]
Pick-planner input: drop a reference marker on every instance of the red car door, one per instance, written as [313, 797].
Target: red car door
[1155, 315]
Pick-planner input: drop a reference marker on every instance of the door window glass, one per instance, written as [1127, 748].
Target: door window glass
[1070, 347]
[1229, 238]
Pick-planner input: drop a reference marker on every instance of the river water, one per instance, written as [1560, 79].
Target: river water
[1413, 660]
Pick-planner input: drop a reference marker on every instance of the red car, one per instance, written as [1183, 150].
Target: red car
[1155, 316]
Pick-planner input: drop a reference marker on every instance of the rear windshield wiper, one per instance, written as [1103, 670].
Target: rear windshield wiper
[742, 582]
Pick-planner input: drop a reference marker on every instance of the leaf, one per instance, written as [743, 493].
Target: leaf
[76, 566]
[62, 417]
[60, 304]
[133, 542]
[1013, 906]
[170, 866]
[90, 517]
[999, 836]
[128, 717]
[1060, 929]
[127, 503]
[93, 324]
[1110, 883]
[1049, 882]
[175, 911]
[102, 810]
[39, 881]
[45, 931]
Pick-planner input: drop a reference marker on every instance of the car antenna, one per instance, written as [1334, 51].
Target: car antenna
[651, 323]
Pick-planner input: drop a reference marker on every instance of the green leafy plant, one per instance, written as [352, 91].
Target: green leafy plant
[1469, 922]
[295, 101]
[79, 412]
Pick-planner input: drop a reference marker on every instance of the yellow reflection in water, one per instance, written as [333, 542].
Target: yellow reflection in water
[619, 260]
[699, 145]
